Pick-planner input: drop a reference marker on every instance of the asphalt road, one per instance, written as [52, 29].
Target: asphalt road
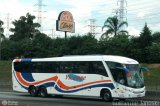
[21, 99]
[18, 99]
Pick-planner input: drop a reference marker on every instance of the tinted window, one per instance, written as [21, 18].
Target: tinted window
[87, 67]
[117, 72]
[37, 67]
[98, 68]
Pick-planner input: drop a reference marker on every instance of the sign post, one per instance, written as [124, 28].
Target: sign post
[65, 34]
[65, 23]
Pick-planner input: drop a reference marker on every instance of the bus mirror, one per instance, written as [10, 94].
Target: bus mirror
[145, 69]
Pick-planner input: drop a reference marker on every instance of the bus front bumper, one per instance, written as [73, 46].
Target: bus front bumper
[134, 93]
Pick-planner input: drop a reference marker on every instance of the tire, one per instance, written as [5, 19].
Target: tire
[59, 96]
[43, 92]
[33, 91]
[122, 99]
[106, 96]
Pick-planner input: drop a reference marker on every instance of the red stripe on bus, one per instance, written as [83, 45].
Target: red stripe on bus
[61, 84]
[18, 74]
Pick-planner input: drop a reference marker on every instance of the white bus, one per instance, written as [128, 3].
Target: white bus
[102, 76]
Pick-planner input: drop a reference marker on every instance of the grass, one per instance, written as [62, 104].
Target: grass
[5, 71]
[151, 82]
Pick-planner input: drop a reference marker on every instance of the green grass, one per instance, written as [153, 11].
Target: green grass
[5, 71]
[152, 81]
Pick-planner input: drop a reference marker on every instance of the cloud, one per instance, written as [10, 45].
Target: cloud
[141, 15]
[83, 10]
[133, 31]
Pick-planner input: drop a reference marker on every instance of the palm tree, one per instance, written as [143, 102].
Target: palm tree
[114, 26]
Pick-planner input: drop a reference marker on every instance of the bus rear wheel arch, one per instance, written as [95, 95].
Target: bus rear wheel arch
[42, 91]
[33, 91]
[106, 95]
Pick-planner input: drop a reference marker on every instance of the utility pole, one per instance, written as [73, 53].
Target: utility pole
[8, 24]
[52, 33]
[122, 10]
[92, 25]
[39, 16]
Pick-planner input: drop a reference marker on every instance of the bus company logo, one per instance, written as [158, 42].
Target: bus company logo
[75, 77]
[4, 103]
[9, 103]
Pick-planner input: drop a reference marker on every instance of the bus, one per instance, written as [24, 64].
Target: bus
[104, 76]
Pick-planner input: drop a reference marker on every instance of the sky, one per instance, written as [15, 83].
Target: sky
[137, 14]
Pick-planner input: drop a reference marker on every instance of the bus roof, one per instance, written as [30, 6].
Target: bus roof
[113, 58]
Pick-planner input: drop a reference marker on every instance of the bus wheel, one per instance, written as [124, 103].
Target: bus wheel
[106, 96]
[43, 92]
[33, 91]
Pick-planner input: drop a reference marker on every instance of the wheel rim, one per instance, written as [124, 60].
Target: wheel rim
[33, 91]
[43, 93]
[106, 96]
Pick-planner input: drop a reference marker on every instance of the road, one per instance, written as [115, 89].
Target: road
[19, 99]
[26, 100]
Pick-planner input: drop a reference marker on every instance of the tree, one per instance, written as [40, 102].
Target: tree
[154, 53]
[145, 37]
[10, 49]
[24, 28]
[156, 37]
[118, 45]
[1, 30]
[114, 26]
[145, 40]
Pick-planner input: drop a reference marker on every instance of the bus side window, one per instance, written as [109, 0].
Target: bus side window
[84, 67]
[56, 67]
[98, 68]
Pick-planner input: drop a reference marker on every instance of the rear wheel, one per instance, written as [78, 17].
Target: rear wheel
[106, 96]
[33, 91]
[43, 92]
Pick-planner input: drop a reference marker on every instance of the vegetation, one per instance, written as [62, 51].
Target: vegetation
[5, 72]
[1, 30]
[114, 26]
[28, 42]
[25, 28]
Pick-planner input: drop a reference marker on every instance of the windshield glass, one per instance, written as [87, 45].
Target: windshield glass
[127, 74]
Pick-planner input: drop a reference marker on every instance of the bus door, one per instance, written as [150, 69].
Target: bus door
[95, 78]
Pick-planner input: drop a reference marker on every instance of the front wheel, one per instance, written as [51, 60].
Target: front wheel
[106, 96]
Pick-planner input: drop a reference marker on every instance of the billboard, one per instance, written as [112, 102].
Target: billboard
[65, 22]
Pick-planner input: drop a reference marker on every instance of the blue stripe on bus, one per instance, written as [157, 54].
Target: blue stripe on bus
[26, 60]
[28, 77]
[109, 85]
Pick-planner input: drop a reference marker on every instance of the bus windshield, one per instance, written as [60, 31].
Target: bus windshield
[127, 74]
